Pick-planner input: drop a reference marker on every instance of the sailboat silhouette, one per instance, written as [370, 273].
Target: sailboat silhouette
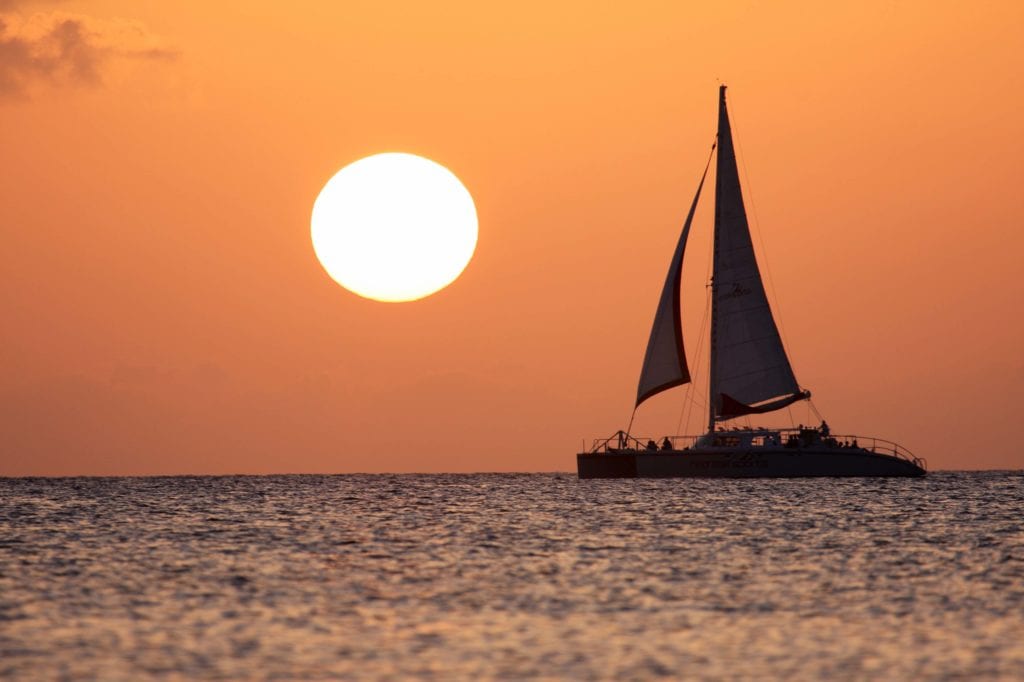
[750, 372]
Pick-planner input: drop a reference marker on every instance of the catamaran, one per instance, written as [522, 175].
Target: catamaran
[749, 374]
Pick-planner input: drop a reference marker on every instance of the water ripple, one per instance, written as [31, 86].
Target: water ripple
[511, 577]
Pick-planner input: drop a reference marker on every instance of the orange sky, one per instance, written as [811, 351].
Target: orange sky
[163, 311]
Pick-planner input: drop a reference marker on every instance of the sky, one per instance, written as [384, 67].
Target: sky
[163, 311]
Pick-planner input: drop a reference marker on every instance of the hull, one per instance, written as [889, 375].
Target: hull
[743, 463]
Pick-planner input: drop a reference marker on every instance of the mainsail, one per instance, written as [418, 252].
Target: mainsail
[750, 372]
[665, 360]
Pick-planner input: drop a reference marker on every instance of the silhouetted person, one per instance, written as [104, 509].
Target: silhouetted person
[651, 445]
[825, 431]
[666, 444]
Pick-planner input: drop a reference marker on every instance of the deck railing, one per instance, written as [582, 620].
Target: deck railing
[621, 441]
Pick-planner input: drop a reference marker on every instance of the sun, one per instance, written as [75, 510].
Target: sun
[394, 227]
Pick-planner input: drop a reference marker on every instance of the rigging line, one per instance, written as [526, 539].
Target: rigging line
[814, 407]
[689, 398]
[704, 326]
[678, 313]
[631, 418]
[760, 233]
[688, 394]
[709, 290]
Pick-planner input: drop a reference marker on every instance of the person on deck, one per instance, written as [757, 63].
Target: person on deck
[825, 431]
[666, 444]
[651, 445]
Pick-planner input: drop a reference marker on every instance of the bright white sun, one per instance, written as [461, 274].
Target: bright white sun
[394, 227]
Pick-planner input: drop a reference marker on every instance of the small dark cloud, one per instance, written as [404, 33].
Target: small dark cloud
[58, 48]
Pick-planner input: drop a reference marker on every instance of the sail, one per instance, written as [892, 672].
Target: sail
[665, 360]
[750, 372]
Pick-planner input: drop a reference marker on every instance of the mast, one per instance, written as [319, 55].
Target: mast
[723, 122]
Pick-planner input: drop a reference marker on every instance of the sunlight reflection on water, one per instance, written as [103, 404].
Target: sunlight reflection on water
[511, 576]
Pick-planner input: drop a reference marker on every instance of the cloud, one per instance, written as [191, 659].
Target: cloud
[67, 49]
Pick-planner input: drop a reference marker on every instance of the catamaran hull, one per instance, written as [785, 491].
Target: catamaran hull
[719, 463]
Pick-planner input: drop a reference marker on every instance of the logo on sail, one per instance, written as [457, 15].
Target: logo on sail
[737, 291]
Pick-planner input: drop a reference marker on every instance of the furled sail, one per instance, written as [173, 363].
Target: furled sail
[665, 360]
[750, 372]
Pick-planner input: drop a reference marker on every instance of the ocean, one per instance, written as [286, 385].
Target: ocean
[512, 577]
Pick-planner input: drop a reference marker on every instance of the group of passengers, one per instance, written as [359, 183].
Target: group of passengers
[807, 436]
[823, 434]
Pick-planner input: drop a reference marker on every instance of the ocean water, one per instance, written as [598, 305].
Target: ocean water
[467, 577]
